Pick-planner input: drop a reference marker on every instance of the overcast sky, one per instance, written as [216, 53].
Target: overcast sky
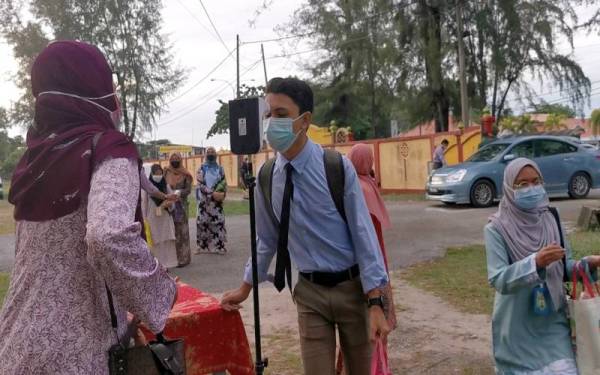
[197, 48]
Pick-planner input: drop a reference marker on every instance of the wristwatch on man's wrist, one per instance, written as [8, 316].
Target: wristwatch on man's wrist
[377, 301]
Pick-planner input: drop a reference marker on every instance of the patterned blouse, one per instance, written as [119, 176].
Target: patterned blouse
[55, 318]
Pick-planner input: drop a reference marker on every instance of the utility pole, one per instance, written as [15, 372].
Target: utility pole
[262, 51]
[237, 52]
[464, 100]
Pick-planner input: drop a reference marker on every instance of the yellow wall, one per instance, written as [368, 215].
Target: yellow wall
[319, 135]
[229, 163]
[398, 172]
[403, 163]
[471, 143]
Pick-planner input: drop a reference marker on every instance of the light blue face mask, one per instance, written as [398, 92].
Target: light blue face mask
[280, 132]
[530, 197]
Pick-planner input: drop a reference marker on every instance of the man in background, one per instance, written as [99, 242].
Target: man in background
[439, 158]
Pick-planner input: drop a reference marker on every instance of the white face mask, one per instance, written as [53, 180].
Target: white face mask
[157, 177]
[115, 115]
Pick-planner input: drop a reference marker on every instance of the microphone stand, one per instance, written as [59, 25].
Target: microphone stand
[250, 180]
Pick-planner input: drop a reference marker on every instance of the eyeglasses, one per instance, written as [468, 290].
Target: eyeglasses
[526, 184]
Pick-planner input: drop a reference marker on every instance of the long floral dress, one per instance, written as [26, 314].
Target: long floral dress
[211, 234]
[56, 318]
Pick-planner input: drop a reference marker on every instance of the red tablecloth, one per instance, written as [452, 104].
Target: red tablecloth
[215, 340]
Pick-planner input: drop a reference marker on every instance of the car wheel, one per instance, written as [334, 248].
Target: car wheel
[579, 185]
[482, 194]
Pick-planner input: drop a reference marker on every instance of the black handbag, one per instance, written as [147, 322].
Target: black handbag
[160, 357]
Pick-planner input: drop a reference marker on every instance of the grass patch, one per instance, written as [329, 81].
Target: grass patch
[231, 207]
[7, 222]
[585, 243]
[4, 282]
[283, 351]
[460, 277]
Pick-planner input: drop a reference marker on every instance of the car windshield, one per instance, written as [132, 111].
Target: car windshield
[489, 152]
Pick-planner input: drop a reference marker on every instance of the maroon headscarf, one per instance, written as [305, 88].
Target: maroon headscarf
[53, 177]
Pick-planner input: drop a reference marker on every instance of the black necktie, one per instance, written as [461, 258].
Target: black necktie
[283, 265]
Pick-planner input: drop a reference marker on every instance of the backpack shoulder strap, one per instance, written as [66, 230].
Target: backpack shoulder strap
[336, 179]
[265, 181]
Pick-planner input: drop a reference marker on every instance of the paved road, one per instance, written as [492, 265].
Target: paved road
[421, 231]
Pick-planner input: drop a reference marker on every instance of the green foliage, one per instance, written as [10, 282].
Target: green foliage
[555, 121]
[221, 124]
[7, 166]
[11, 150]
[558, 109]
[518, 124]
[128, 32]
[383, 60]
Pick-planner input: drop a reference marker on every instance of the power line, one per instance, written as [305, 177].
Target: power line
[291, 36]
[550, 92]
[316, 49]
[208, 98]
[196, 18]
[214, 27]
[202, 79]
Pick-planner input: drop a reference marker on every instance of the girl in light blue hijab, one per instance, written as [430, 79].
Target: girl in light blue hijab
[527, 258]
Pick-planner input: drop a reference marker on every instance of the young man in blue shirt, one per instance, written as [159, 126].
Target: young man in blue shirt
[339, 261]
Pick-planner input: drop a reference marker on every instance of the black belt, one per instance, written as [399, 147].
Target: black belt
[331, 279]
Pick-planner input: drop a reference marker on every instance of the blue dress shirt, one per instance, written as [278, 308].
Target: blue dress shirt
[319, 239]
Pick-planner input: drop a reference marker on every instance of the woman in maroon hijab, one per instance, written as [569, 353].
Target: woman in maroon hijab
[76, 192]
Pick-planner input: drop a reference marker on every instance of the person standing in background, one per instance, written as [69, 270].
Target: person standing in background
[244, 170]
[157, 213]
[361, 156]
[180, 181]
[210, 193]
[439, 158]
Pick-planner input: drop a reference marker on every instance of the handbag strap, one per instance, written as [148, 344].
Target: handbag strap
[113, 316]
[579, 270]
[561, 235]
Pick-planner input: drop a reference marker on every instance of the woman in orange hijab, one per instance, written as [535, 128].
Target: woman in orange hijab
[180, 180]
[361, 156]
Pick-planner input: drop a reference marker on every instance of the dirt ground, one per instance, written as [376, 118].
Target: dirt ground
[432, 337]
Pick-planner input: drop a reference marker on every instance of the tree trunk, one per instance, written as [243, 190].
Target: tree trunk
[125, 116]
[136, 104]
[503, 100]
[431, 35]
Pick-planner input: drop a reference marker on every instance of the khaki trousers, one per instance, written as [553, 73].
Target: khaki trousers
[320, 311]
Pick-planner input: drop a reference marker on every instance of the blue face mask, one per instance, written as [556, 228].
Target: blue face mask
[280, 133]
[530, 197]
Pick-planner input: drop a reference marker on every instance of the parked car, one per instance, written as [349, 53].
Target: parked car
[568, 168]
[589, 147]
[1, 189]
